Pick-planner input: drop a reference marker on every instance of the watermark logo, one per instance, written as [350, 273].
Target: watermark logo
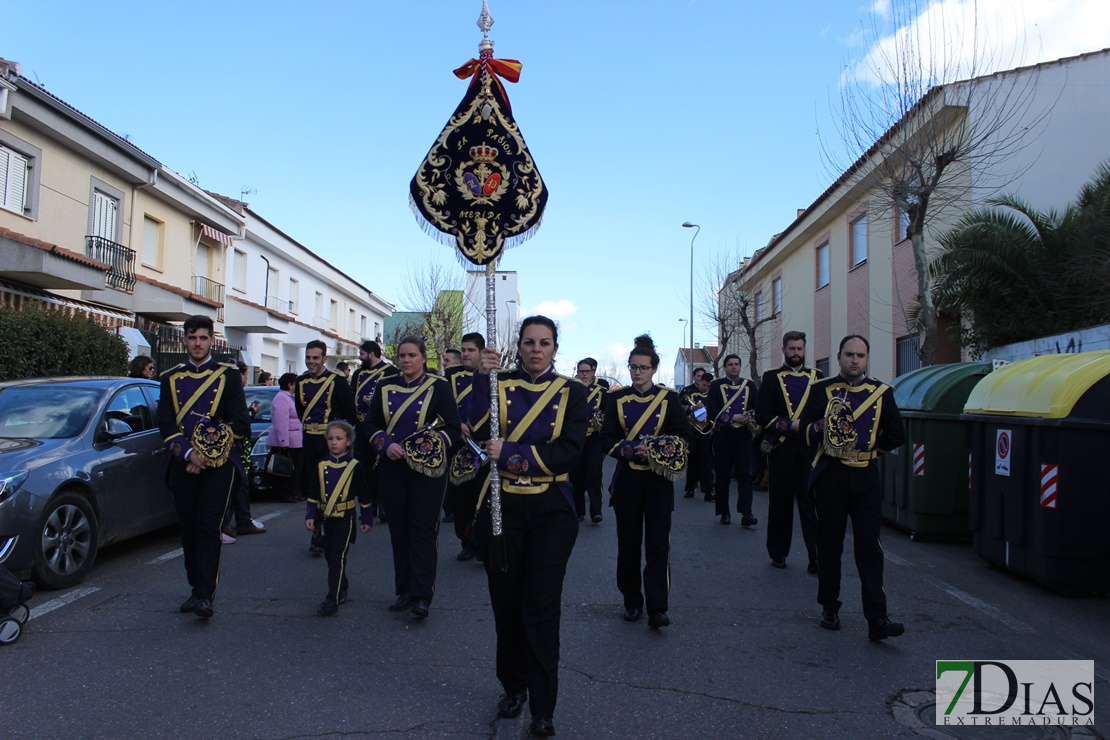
[1016, 692]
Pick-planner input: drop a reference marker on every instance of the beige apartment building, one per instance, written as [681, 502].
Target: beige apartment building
[844, 266]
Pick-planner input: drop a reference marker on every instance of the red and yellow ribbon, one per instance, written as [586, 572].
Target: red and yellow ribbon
[507, 68]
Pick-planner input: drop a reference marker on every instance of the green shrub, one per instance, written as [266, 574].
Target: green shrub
[40, 342]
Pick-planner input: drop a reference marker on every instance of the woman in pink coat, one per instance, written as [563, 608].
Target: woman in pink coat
[286, 437]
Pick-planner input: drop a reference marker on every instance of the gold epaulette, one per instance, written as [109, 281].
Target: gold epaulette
[173, 369]
[231, 365]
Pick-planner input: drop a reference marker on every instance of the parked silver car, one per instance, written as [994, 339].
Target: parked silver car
[81, 467]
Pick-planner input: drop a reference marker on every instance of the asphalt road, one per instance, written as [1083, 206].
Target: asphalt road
[744, 656]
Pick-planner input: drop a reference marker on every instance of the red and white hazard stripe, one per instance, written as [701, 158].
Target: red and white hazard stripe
[1050, 475]
[918, 460]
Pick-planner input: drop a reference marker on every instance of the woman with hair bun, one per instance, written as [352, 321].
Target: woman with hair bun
[646, 430]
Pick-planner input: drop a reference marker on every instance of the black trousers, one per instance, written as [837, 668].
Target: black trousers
[732, 456]
[643, 503]
[586, 476]
[788, 468]
[699, 470]
[336, 540]
[368, 458]
[842, 492]
[540, 531]
[413, 502]
[201, 500]
[465, 501]
[314, 450]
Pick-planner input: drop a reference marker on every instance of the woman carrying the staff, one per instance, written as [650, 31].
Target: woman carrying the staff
[412, 422]
[646, 430]
[543, 431]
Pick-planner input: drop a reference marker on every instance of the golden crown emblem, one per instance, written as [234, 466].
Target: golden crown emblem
[483, 153]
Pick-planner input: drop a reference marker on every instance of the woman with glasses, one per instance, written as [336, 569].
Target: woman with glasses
[646, 430]
[543, 431]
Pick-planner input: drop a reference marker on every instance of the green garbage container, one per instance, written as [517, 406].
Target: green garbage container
[1039, 434]
[925, 480]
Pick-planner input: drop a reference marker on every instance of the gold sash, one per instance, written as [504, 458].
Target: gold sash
[323, 389]
[395, 417]
[184, 410]
[341, 486]
[538, 407]
[655, 403]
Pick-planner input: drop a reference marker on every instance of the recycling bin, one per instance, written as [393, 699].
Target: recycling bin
[925, 480]
[1039, 435]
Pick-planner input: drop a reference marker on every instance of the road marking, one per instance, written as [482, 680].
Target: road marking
[894, 558]
[179, 552]
[61, 601]
[989, 609]
[168, 556]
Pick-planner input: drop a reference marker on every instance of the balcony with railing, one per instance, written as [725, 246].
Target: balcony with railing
[276, 304]
[120, 259]
[324, 322]
[208, 288]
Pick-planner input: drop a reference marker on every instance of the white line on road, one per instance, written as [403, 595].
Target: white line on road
[179, 552]
[61, 601]
[894, 558]
[990, 610]
[168, 556]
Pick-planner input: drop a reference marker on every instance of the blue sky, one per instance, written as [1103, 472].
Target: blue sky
[640, 114]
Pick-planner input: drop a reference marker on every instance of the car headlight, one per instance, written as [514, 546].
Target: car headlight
[10, 483]
[260, 447]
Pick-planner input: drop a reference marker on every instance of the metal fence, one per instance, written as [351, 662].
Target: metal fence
[908, 355]
[120, 259]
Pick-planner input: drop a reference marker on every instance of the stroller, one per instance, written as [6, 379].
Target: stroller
[13, 609]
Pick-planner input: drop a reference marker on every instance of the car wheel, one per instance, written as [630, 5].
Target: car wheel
[67, 542]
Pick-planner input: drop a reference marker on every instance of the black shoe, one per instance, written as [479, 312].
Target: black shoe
[189, 605]
[881, 628]
[541, 727]
[812, 567]
[343, 597]
[383, 519]
[726, 519]
[327, 608]
[420, 609]
[596, 518]
[747, 520]
[512, 704]
[688, 494]
[658, 619]
[778, 563]
[204, 608]
[633, 614]
[830, 619]
[401, 604]
[465, 554]
[708, 497]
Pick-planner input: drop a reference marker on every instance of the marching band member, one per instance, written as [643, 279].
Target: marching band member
[202, 415]
[646, 430]
[464, 494]
[730, 402]
[364, 382]
[782, 395]
[586, 475]
[544, 419]
[850, 419]
[413, 421]
[699, 470]
[322, 396]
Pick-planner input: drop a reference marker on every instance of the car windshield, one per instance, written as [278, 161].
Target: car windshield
[45, 412]
[259, 401]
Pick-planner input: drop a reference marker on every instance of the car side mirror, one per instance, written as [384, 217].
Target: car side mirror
[116, 428]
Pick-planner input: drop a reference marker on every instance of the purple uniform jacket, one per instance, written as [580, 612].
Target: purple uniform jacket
[365, 381]
[344, 480]
[400, 408]
[782, 396]
[324, 399]
[725, 399]
[625, 411]
[191, 394]
[543, 425]
[878, 427]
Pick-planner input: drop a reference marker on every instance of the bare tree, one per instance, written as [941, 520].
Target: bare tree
[434, 290]
[728, 305]
[921, 120]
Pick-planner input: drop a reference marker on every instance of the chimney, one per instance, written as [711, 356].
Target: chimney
[697, 345]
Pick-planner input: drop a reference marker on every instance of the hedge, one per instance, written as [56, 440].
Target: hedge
[40, 342]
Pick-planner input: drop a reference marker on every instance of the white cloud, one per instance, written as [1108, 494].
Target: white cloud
[957, 39]
[561, 312]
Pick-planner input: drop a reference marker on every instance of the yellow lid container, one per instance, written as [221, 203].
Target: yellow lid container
[1046, 387]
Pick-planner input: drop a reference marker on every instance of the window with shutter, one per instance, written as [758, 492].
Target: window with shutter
[859, 240]
[13, 180]
[151, 233]
[105, 209]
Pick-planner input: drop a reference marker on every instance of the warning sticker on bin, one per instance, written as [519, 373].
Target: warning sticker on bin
[1002, 453]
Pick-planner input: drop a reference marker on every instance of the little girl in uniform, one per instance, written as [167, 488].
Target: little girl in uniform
[339, 486]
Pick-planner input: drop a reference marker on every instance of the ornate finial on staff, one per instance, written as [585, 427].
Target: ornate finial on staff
[485, 23]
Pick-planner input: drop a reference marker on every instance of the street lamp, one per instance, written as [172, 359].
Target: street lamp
[685, 362]
[688, 225]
